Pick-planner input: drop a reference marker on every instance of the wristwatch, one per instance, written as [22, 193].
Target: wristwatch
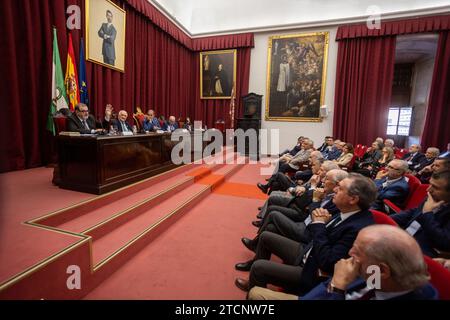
[332, 289]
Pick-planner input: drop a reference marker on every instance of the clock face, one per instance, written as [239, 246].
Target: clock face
[251, 109]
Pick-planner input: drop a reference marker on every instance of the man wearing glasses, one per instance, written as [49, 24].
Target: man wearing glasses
[393, 186]
[81, 121]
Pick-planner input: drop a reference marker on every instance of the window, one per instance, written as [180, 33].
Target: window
[399, 121]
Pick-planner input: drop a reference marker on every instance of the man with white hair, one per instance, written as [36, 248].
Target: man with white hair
[393, 186]
[414, 157]
[388, 250]
[389, 143]
[172, 124]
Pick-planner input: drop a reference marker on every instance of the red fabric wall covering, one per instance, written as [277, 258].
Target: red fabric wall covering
[436, 131]
[365, 69]
[160, 72]
[418, 25]
[243, 40]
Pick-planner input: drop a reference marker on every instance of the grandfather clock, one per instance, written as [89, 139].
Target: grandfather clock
[251, 120]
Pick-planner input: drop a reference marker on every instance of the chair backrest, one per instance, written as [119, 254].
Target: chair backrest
[382, 218]
[440, 278]
[139, 120]
[417, 197]
[60, 123]
[413, 184]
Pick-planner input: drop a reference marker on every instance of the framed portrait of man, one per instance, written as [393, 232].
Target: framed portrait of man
[217, 74]
[296, 76]
[105, 34]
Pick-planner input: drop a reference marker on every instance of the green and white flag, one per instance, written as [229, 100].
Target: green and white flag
[59, 96]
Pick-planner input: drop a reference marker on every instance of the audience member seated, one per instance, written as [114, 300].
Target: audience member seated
[293, 225]
[381, 141]
[419, 170]
[330, 152]
[439, 164]
[295, 149]
[331, 241]
[429, 224]
[404, 273]
[288, 163]
[378, 166]
[172, 125]
[281, 182]
[328, 142]
[151, 123]
[347, 155]
[389, 143]
[81, 121]
[372, 155]
[393, 186]
[414, 157]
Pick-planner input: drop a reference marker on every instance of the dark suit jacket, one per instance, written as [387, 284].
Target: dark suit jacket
[108, 48]
[74, 124]
[396, 192]
[434, 232]
[427, 292]
[332, 154]
[329, 246]
[116, 123]
[416, 160]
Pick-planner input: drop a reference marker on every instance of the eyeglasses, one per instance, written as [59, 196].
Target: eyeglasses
[84, 111]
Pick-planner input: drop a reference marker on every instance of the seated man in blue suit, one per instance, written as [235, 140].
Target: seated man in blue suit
[429, 224]
[393, 186]
[331, 241]
[172, 125]
[403, 273]
[151, 123]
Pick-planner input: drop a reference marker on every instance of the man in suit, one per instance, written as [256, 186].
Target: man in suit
[295, 149]
[120, 124]
[331, 241]
[151, 123]
[403, 273]
[429, 224]
[393, 186]
[281, 222]
[108, 33]
[81, 121]
[414, 157]
[172, 125]
[446, 153]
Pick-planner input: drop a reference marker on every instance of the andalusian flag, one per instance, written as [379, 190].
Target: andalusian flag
[71, 80]
[59, 97]
[84, 97]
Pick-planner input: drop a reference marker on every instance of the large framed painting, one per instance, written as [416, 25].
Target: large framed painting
[296, 76]
[217, 74]
[105, 34]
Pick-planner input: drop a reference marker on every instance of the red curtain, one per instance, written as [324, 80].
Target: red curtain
[161, 72]
[365, 69]
[391, 28]
[437, 130]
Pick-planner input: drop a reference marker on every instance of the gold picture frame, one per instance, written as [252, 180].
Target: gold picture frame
[296, 76]
[105, 34]
[217, 73]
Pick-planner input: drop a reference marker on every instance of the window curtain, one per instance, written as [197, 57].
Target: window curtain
[364, 74]
[436, 131]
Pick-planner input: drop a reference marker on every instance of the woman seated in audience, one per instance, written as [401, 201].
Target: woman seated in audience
[346, 156]
[377, 170]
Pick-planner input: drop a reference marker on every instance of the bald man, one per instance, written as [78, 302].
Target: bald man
[393, 252]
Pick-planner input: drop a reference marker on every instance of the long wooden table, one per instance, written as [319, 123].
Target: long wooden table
[100, 164]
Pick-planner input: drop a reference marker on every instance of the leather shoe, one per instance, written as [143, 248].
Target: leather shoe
[262, 187]
[242, 284]
[257, 223]
[244, 266]
[249, 244]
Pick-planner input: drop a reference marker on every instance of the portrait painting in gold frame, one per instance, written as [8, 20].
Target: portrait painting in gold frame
[105, 34]
[217, 74]
[296, 76]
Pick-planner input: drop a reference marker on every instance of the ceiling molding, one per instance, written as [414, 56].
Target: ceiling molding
[305, 25]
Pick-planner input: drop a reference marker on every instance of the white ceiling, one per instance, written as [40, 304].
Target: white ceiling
[203, 17]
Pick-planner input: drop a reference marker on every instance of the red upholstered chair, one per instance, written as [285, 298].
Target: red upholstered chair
[60, 123]
[440, 278]
[139, 118]
[382, 218]
[417, 193]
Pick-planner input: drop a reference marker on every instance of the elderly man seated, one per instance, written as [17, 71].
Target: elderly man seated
[414, 157]
[83, 122]
[331, 241]
[402, 269]
[393, 186]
